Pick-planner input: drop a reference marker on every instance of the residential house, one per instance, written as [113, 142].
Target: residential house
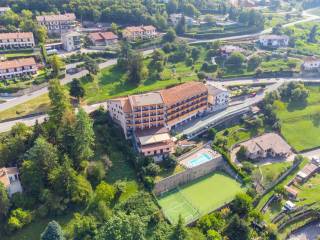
[16, 40]
[9, 177]
[311, 63]
[154, 142]
[175, 18]
[103, 38]
[274, 41]
[267, 145]
[292, 193]
[227, 50]
[3, 10]
[71, 41]
[139, 32]
[218, 98]
[57, 24]
[18, 68]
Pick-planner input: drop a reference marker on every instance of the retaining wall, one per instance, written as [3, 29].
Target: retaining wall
[188, 175]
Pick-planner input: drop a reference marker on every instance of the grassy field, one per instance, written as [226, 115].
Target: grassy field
[199, 197]
[298, 124]
[237, 134]
[33, 230]
[269, 173]
[309, 191]
[36, 105]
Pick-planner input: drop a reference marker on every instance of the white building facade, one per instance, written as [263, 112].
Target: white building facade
[274, 41]
[71, 41]
[18, 68]
[9, 177]
[16, 40]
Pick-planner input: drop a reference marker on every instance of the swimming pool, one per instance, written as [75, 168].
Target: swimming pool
[199, 159]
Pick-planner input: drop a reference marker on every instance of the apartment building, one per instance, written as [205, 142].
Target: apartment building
[139, 32]
[103, 38]
[184, 102]
[18, 68]
[71, 41]
[16, 40]
[59, 23]
[218, 98]
[9, 177]
[274, 41]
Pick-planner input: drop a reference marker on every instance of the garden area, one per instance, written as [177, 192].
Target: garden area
[304, 119]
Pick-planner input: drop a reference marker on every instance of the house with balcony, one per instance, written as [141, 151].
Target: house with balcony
[18, 68]
[57, 23]
[184, 102]
[16, 40]
[311, 63]
[227, 50]
[139, 32]
[274, 41]
[9, 177]
[71, 41]
[103, 38]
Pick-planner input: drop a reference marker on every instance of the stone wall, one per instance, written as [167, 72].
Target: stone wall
[188, 175]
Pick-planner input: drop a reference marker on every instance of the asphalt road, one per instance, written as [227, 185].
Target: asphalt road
[18, 100]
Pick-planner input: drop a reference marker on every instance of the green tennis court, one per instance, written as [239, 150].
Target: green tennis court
[199, 197]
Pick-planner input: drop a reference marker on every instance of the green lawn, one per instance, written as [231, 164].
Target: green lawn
[237, 134]
[298, 124]
[200, 197]
[309, 192]
[272, 172]
[33, 230]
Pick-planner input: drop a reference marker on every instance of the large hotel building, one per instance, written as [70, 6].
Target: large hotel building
[149, 117]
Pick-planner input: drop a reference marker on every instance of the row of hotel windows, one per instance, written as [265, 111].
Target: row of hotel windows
[188, 100]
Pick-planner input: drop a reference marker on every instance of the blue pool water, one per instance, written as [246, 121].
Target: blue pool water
[199, 159]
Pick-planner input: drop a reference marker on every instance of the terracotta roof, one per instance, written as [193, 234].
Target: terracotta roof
[16, 35]
[308, 170]
[4, 175]
[125, 103]
[57, 17]
[291, 190]
[98, 36]
[134, 29]
[17, 63]
[182, 92]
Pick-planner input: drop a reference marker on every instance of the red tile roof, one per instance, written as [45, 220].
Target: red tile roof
[149, 28]
[16, 35]
[182, 92]
[99, 36]
[17, 63]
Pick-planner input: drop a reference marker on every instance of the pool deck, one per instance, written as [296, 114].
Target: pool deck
[196, 155]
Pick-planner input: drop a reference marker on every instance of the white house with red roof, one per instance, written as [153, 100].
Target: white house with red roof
[16, 40]
[57, 23]
[139, 32]
[18, 68]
